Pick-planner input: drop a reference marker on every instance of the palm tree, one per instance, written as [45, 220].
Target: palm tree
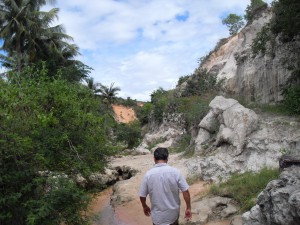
[91, 84]
[108, 93]
[28, 37]
[17, 17]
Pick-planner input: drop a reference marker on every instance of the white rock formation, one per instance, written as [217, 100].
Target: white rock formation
[244, 141]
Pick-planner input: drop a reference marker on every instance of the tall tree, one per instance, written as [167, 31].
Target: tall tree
[28, 38]
[234, 23]
[17, 23]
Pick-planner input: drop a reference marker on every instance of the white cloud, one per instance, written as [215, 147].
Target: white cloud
[139, 44]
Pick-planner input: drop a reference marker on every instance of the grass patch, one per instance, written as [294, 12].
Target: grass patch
[245, 187]
[182, 144]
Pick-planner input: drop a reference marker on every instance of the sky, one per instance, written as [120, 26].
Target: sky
[141, 45]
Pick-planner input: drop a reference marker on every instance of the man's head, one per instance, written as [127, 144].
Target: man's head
[161, 154]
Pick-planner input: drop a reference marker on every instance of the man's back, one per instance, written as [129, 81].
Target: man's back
[163, 183]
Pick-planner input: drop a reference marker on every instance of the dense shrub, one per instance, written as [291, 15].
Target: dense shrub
[286, 19]
[143, 113]
[254, 7]
[194, 109]
[159, 99]
[292, 99]
[201, 83]
[182, 79]
[46, 125]
[129, 133]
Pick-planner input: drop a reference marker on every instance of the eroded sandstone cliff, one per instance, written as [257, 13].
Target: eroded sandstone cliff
[254, 77]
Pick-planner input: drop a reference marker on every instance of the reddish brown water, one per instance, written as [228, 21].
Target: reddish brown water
[131, 213]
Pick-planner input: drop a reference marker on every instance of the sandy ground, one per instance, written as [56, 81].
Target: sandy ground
[124, 114]
[131, 213]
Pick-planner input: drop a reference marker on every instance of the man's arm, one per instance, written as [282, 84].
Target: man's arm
[187, 199]
[146, 208]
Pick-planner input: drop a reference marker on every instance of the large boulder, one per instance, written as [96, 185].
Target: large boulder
[232, 122]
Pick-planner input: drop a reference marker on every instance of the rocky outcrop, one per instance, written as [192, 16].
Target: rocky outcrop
[165, 135]
[232, 139]
[279, 203]
[256, 78]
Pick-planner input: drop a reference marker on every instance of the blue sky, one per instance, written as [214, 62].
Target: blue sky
[142, 45]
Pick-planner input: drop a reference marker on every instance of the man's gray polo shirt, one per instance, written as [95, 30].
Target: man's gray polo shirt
[163, 183]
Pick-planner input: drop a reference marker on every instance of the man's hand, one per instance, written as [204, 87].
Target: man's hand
[187, 199]
[188, 214]
[147, 211]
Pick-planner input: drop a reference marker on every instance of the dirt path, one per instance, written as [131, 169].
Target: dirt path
[130, 213]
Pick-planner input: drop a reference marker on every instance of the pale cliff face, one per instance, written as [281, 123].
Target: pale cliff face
[254, 78]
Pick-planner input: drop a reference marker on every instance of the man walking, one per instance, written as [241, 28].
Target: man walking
[163, 183]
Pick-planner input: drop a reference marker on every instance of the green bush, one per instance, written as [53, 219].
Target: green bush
[159, 99]
[194, 108]
[182, 79]
[143, 112]
[254, 7]
[182, 144]
[259, 44]
[46, 125]
[245, 187]
[286, 19]
[201, 83]
[292, 99]
[129, 133]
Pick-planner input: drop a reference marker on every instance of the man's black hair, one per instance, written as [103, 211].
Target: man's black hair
[161, 154]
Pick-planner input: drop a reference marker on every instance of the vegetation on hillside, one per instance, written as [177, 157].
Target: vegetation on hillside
[47, 125]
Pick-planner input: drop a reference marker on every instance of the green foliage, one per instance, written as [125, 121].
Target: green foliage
[58, 204]
[159, 99]
[128, 102]
[201, 83]
[234, 23]
[194, 109]
[46, 125]
[286, 18]
[254, 7]
[291, 100]
[182, 79]
[28, 37]
[259, 44]
[129, 133]
[245, 187]
[108, 93]
[143, 113]
[182, 144]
